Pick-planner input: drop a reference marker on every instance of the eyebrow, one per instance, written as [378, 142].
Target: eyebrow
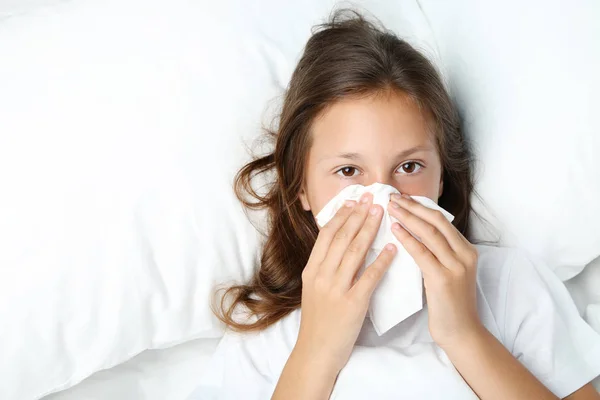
[402, 154]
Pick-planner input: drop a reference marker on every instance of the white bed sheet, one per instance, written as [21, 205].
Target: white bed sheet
[172, 374]
[166, 374]
[585, 289]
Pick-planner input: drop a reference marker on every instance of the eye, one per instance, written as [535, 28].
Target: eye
[410, 167]
[347, 172]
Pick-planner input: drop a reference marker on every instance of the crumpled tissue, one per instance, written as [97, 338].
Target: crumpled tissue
[400, 292]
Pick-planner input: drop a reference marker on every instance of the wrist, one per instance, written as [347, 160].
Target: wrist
[471, 339]
[317, 359]
[307, 375]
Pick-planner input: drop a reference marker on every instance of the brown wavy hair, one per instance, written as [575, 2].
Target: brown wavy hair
[348, 56]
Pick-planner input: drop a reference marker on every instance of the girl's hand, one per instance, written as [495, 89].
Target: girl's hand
[449, 265]
[334, 303]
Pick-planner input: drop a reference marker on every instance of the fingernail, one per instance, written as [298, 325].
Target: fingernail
[374, 210]
[396, 226]
[395, 205]
[390, 247]
[349, 203]
[364, 198]
[395, 196]
[405, 196]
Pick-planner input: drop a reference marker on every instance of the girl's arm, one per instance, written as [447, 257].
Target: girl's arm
[305, 377]
[493, 373]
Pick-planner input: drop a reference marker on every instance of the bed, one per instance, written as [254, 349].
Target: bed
[155, 374]
[172, 373]
[123, 122]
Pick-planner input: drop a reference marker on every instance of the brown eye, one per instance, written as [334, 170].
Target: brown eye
[410, 167]
[347, 171]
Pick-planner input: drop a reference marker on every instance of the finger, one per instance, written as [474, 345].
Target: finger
[327, 233]
[429, 234]
[356, 252]
[364, 287]
[433, 217]
[462, 248]
[428, 263]
[345, 234]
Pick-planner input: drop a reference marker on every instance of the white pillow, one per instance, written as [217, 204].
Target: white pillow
[122, 127]
[525, 77]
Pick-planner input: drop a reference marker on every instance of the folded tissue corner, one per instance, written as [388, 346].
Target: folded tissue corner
[400, 292]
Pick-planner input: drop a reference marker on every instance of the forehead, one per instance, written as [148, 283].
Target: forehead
[383, 122]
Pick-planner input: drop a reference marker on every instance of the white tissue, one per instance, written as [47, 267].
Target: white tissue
[400, 293]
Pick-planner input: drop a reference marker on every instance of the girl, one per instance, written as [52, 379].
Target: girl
[363, 106]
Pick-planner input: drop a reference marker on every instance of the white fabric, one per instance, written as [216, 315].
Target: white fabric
[524, 76]
[15, 7]
[161, 374]
[520, 302]
[400, 292]
[585, 293]
[111, 134]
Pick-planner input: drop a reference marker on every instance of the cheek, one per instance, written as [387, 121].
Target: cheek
[427, 185]
[320, 189]
[320, 196]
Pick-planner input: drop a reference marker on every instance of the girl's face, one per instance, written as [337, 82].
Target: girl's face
[381, 138]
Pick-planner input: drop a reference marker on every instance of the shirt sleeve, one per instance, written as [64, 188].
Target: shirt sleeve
[543, 329]
[239, 369]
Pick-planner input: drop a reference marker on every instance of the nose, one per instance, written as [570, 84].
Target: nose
[379, 177]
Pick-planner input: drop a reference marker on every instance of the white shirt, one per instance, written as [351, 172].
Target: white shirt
[521, 303]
